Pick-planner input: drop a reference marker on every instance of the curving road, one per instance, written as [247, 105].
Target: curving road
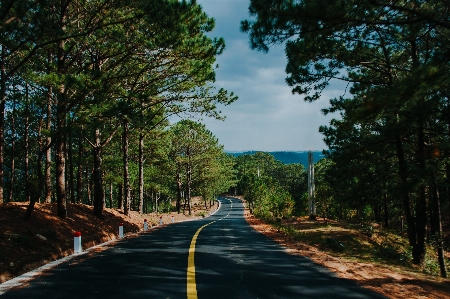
[218, 257]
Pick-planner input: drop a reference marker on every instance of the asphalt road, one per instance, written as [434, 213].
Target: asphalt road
[231, 261]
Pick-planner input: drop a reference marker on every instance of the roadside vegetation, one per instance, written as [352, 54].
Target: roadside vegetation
[354, 241]
[272, 189]
[87, 91]
[388, 145]
[356, 256]
[97, 107]
[278, 194]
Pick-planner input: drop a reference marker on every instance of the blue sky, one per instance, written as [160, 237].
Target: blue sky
[267, 116]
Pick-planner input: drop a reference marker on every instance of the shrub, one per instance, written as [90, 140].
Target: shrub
[165, 206]
[268, 200]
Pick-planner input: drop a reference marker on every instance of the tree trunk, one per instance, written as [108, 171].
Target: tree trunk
[13, 142]
[2, 119]
[36, 187]
[61, 114]
[126, 174]
[60, 163]
[421, 204]
[91, 189]
[152, 201]
[415, 220]
[436, 226]
[404, 189]
[185, 199]
[120, 198]
[104, 196]
[188, 185]
[110, 195]
[418, 250]
[141, 173]
[311, 188]
[144, 208]
[80, 170]
[26, 137]
[48, 152]
[71, 178]
[447, 175]
[386, 212]
[99, 195]
[88, 187]
[66, 170]
[178, 192]
[377, 212]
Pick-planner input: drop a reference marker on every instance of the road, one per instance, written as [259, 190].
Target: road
[217, 257]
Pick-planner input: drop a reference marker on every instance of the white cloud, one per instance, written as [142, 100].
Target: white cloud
[267, 115]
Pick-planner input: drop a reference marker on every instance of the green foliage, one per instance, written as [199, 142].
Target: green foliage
[268, 199]
[165, 206]
[90, 69]
[301, 205]
[198, 163]
[389, 146]
[201, 214]
[390, 252]
[284, 179]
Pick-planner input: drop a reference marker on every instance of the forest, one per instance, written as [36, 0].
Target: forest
[388, 146]
[87, 91]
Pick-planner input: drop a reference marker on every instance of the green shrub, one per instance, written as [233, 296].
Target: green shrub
[165, 206]
[202, 214]
[269, 200]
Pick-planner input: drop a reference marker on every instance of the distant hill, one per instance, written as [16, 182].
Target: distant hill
[287, 157]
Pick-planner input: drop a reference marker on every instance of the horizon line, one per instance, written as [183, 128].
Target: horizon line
[271, 151]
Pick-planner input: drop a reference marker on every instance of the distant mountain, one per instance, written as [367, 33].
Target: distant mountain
[287, 157]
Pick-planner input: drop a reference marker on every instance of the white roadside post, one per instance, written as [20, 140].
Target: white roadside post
[77, 242]
[145, 225]
[160, 220]
[120, 230]
[173, 219]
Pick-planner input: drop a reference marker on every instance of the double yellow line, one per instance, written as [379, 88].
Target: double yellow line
[191, 284]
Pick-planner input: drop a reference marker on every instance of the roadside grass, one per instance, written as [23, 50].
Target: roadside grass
[351, 241]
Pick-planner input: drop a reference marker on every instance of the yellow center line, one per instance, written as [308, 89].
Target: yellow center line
[191, 284]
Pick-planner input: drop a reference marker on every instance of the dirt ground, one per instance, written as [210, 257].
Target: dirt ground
[391, 282]
[26, 245]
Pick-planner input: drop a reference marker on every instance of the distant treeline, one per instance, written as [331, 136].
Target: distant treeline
[287, 157]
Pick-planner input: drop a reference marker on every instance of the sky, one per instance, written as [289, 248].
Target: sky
[267, 116]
